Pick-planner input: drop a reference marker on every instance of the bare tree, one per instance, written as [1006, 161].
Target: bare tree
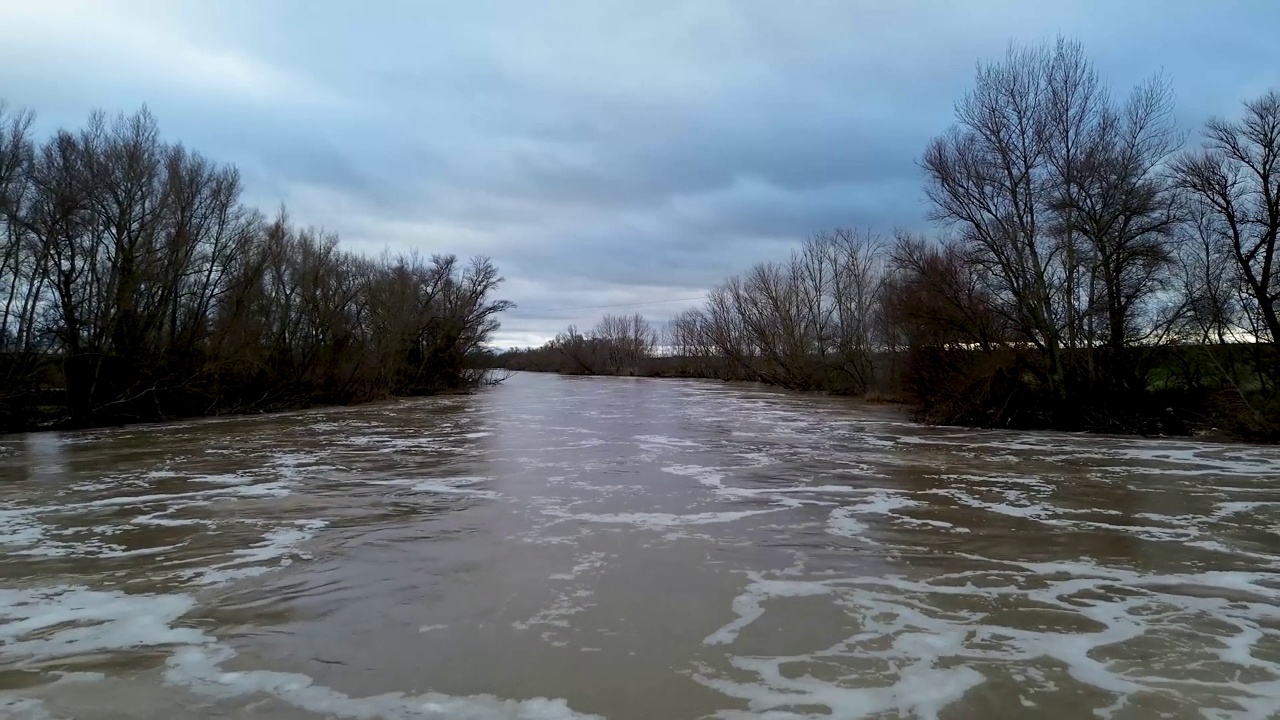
[579, 354]
[624, 342]
[1235, 182]
[131, 265]
[858, 273]
[1062, 202]
[991, 177]
[1125, 207]
[18, 279]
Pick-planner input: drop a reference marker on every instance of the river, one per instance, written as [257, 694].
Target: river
[562, 547]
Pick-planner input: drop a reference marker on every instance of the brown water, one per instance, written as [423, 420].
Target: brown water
[573, 547]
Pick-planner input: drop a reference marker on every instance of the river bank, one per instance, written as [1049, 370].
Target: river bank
[53, 420]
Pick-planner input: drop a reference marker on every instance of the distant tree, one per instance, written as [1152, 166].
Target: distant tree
[624, 342]
[575, 353]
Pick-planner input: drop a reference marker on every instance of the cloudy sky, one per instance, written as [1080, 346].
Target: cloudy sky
[621, 154]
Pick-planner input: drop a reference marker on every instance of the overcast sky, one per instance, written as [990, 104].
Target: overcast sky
[603, 153]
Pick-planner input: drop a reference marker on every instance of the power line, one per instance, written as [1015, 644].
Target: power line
[602, 307]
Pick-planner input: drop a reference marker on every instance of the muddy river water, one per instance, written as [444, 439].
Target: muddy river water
[560, 548]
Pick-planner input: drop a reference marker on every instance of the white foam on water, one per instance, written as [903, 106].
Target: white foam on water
[454, 485]
[1202, 470]
[44, 624]
[757, 459]
[708, 476]
[748, 605]
[930, 647]
[277, 549]
[21, 708]
[1187, 458]
[924, 522]
[884, 503]
[588, 562]
[340, 426]
[1180, 528]
[1225, 509]
[920, 686]
[713, 478]
[842, 522]
[19, 527]
[25, 535]
[1201, 458]
[160, 519]
[139, 500]
[64, 676]
[564, 606]
[387, 444]
[921, 691]
[668, 441]
[1032, 482]
[197, 668]
[275, 489]
[1146, 532]
[585, 564]
[574, 599]
[1016, 505]
[1219, 546]
[96, 485]
[221, 479]
[659, 521]
[1019, 504]
[932, 633]
[815, 489]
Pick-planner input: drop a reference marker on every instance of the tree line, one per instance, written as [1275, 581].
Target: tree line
[1094, 267]
[135, 285]
[616, 345]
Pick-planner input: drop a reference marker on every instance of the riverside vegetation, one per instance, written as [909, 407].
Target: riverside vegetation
[1095, 268]
[135, 285]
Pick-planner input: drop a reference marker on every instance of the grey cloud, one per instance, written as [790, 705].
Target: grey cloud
[602, 153]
